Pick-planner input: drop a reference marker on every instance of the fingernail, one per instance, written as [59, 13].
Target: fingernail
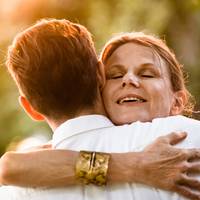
[181, 134]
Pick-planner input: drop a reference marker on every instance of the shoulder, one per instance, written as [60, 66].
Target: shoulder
[6, 192]
[176, 120]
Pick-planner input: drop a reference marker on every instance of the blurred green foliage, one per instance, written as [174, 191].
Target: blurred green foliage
[177, 21]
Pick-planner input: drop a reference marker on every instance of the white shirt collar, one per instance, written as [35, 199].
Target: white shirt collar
[79, 125]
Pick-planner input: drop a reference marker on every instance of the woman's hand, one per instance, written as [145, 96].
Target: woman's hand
[166, 167]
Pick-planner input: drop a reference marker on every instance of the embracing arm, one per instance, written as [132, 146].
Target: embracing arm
[160, 165]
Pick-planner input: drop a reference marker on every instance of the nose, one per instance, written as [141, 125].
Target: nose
[130, 79]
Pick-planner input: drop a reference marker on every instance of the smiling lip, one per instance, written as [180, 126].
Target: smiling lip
[131, 99]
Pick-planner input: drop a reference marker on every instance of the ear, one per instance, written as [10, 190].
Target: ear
[101, 75]
[180, 99]
[33, 114]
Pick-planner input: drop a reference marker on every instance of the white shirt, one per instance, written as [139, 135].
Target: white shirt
[95, 132]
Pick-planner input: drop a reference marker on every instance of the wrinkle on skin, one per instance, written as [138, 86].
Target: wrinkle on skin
[136, 71]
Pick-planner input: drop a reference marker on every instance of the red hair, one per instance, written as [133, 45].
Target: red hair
[54, 65]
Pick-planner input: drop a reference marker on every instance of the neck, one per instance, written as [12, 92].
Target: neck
[98, 108]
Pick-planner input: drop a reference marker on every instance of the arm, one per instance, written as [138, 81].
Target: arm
[160, 165]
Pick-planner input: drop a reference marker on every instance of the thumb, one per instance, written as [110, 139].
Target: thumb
[176, 137]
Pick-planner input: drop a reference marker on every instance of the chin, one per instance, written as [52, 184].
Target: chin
[130, 119]
[121, 120]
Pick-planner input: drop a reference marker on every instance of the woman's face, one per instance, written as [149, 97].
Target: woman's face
[138, 85]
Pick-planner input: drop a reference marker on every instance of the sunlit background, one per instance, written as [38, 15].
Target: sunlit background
[178, 21]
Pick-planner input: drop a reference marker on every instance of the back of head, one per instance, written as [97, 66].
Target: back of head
[160, 49]
[54, 65]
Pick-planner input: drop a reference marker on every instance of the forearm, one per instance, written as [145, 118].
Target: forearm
[56, 168]
[124, 167]
[38, 168]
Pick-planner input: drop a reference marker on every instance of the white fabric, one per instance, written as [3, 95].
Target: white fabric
[96, 132]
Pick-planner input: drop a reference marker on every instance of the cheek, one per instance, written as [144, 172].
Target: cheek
[106, 96]
[159, 89]
[108, 92]
[162, 99]
[161, 94]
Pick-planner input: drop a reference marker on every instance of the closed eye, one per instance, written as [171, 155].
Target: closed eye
[149, 71]
[117, 76]
[114, 76]
[147, 76]
[115, 71]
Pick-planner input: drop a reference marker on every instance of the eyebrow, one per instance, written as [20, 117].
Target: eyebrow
[121, 67]
[116, 67]
[149, 65]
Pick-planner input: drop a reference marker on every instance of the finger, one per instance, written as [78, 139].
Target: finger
[193, 154]
[174, 138]
[187, 192]
[193, 183]
[194, 167]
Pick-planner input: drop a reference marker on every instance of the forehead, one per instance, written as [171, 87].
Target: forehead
[134, 55]
[132, 52]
